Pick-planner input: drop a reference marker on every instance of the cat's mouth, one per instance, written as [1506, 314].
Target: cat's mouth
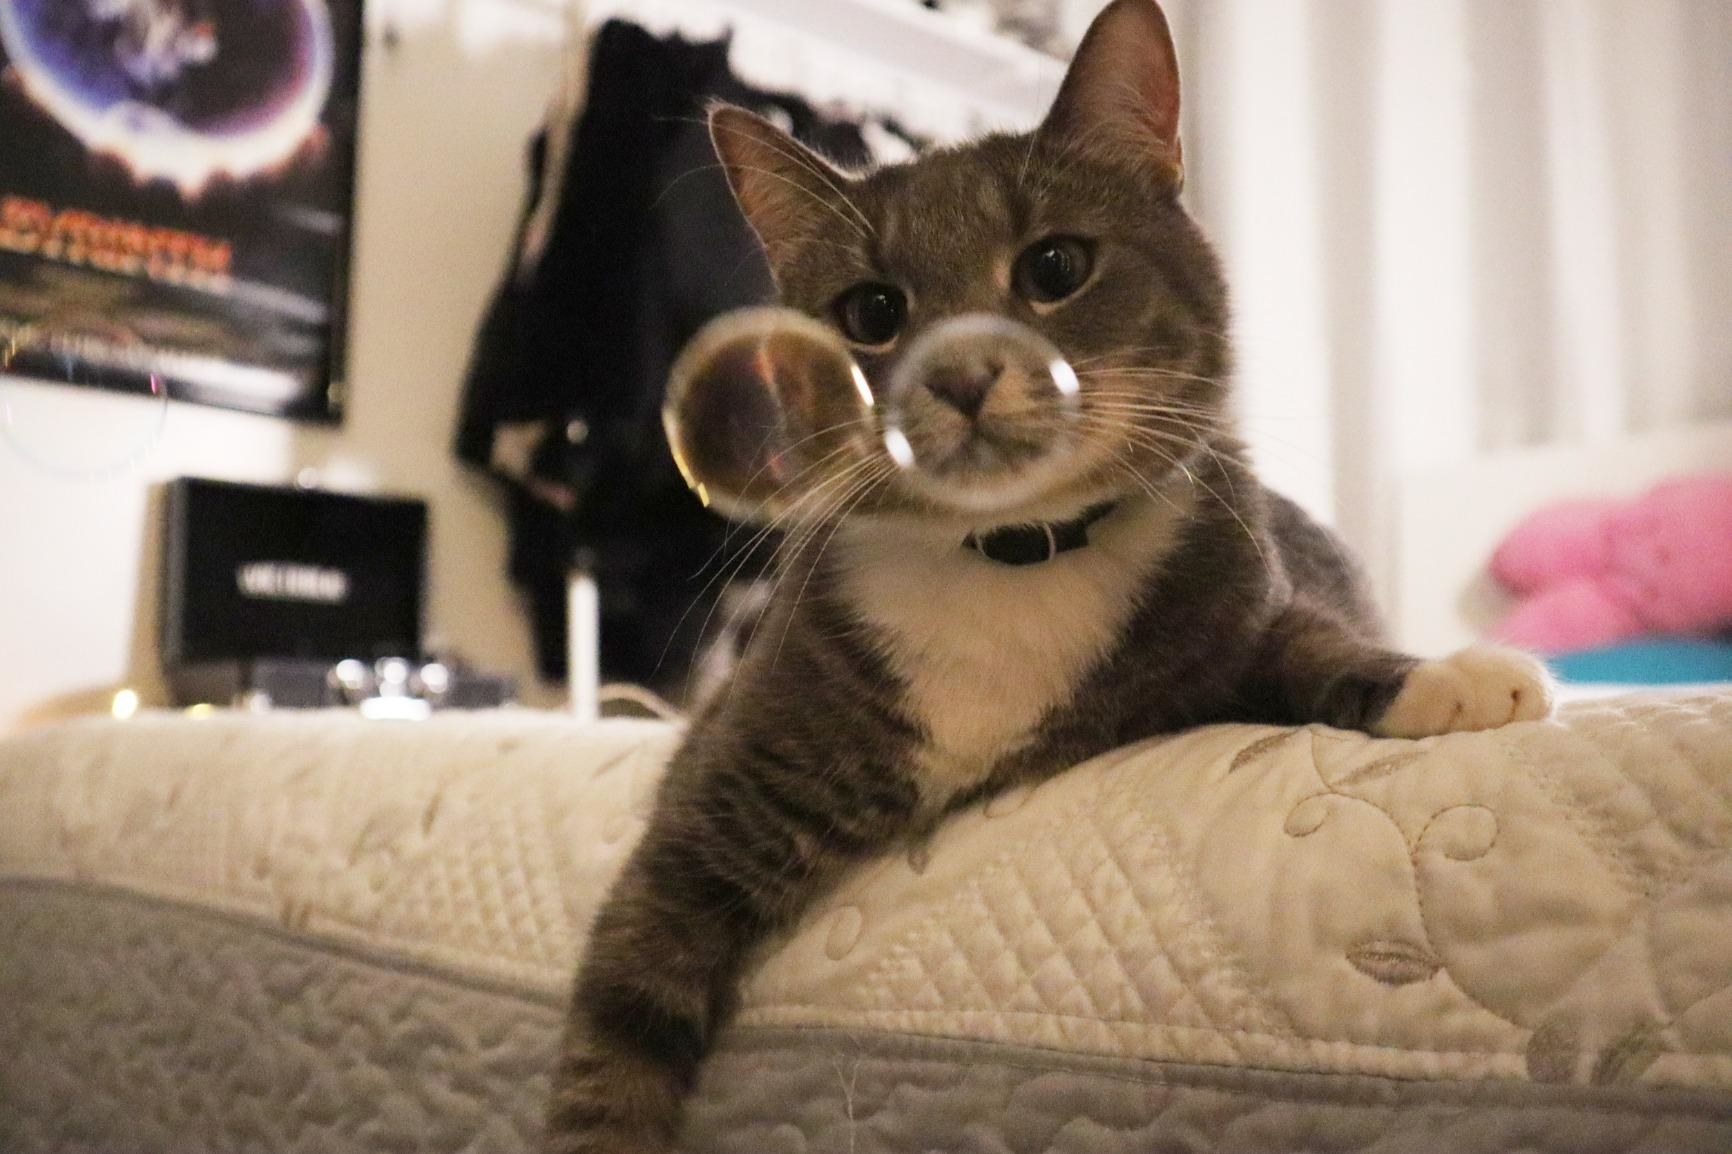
[982, 454]
[985, 463]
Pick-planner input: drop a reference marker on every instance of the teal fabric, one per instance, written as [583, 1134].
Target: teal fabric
[1661, 661]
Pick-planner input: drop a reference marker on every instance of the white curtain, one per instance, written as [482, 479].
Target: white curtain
[1458, 226]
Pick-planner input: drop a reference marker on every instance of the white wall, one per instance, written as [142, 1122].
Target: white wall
[446, 114]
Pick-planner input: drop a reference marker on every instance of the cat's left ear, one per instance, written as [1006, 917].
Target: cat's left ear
[788, 193]
[1121, 95]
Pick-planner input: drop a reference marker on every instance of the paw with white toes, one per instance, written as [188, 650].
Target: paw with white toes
[1478, 688]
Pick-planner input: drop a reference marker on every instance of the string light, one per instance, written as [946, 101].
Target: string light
[124, 705]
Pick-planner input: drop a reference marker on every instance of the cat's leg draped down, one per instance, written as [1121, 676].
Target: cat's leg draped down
[728, 857]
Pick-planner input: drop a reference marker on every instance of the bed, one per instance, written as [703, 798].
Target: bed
[315, 933]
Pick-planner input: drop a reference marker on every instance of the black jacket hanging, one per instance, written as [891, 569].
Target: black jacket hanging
[565, 384]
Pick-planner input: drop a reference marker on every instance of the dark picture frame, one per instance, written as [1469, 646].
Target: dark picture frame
[177, 197]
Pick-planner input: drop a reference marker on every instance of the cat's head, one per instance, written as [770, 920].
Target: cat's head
[1074, 229]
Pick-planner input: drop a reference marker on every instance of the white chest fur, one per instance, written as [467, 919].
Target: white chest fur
[987, 650]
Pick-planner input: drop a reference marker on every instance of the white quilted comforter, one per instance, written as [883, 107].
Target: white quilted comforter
[316, 933]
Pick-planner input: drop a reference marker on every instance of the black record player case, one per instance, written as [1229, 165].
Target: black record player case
[259, 573]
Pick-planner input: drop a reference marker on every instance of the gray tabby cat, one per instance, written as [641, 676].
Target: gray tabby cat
[931, 647]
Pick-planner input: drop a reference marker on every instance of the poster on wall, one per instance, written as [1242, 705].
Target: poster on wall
[176, 184]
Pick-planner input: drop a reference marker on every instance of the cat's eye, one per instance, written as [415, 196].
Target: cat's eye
[872, 314]
[1052, 269]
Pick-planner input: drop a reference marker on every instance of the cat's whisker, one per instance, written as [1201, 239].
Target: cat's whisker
[789, 549]
[1133, 389]
[823, 497]
[1231, 506]
[813, 520]
[1104, 400]
[844, 509]
[1168, 425]
[1144, 373]
[835, 512]
[1166, 349]
[1120, 353]
[1290, 450]
[736, 527]
[1098, 403]
[799, 478]
[1126, 465]
[837, 429]
[726, 574]
[1157, 441]
[1296, 450]
[1196, 437]
[1098, 398]
[729, 570]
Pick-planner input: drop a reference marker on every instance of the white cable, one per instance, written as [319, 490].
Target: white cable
[637, 695]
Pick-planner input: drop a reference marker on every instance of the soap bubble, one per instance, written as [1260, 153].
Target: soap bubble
[79, 437]
[762, 405]
[1027, 395]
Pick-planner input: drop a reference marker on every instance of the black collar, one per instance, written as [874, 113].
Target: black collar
[1042, 541]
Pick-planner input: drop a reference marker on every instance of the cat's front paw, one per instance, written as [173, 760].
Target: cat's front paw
[1479, 688]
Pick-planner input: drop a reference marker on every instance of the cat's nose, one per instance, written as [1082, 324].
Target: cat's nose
[965, 387]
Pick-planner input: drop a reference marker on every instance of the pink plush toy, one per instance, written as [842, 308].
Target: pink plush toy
[1592, 573]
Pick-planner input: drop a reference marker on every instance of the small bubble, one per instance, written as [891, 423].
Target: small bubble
[79, 436]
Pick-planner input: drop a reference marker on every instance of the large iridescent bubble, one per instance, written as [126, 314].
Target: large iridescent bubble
[762, 405]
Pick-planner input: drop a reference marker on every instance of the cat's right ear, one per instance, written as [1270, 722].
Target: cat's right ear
[788, 192]
[1121, 94]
